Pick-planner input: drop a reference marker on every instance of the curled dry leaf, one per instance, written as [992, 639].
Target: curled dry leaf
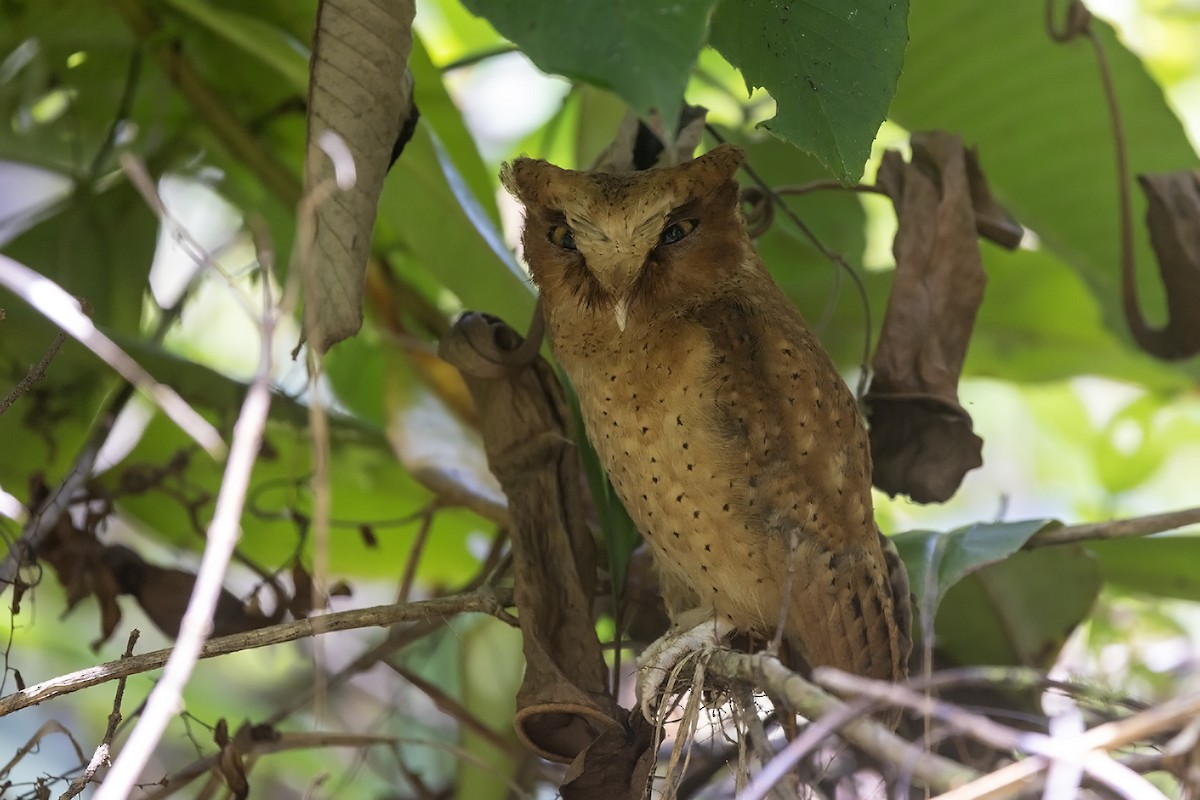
[563, 704]
[360, 89]
[922, 441]
[75, 557]
[87, 568]
[163, 593]
[1173, 217]
[229, 764]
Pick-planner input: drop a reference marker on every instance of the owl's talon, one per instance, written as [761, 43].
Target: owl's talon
[658, 661]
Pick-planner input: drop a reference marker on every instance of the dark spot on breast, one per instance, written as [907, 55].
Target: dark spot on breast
[679, 498]
[679, 421]
[654, 478]
[685, 445]
[695, 515]
[675, 534]
[689, 466]
[708, 548]
[725, 507]
[644, 429]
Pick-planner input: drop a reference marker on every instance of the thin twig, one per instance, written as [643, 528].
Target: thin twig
[454, 709]
[1010, 780]
[101, 756]
[1115, 529]
[35, 374]
[167, 696]
[486, 600]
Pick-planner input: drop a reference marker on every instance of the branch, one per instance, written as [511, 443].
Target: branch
[793, 692]
[1115, 529]
[101, 756]
[36, 373]
[1011, 780]
[486, 600]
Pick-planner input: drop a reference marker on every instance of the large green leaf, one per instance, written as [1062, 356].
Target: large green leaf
[1164, 566]
[1018, 611]
[643, 51]
[1036, 111]
[954, 555]
[831, 66]
[427, 210]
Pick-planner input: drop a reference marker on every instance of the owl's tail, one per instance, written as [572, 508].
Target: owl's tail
[859, 617]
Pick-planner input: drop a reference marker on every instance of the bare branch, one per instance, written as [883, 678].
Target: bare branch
[35, 374]
[486, 600]
[792, 692]
[101, 756]
[1115, 529]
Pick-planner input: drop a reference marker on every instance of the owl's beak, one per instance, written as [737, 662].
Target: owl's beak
[621, 312]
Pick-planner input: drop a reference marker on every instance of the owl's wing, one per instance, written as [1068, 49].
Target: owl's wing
[789, 418]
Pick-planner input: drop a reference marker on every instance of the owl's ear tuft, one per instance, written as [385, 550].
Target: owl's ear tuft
[525, 178]
[723, 160]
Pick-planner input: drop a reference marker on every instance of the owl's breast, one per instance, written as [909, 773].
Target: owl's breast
[653, 411]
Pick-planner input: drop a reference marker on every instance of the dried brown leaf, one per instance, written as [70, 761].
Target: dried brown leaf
[361, 90]
[229, 763]
[1173, 218]
[922, 440]
[163, 593]
[563, 704]
[616, 766]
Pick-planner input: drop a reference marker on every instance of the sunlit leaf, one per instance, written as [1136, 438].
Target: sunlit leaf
[831, 66]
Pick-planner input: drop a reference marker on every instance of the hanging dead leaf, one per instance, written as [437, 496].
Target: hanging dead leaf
[616, 766]
[1173, 217]
[163, 593]
[563, 704]
[75, 556]
[922, 441]
[361, 90]
[229, 764]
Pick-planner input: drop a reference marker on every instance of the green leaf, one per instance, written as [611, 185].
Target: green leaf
[428, 211]
[1036, 112]
[641, 50]
[1018, 611]
[438, 109]
[831, 66]
[1164, 566]
[960, 552]
[266, 42]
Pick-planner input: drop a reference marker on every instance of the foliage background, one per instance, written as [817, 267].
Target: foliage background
[1077, 424]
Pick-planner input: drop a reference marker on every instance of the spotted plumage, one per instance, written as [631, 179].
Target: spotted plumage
[725, 428]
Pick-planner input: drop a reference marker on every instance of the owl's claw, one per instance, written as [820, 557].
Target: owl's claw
[658, 661]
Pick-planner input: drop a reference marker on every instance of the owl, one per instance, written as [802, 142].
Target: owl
[724, 426]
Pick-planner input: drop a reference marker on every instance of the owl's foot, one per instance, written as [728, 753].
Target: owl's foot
[658, 661]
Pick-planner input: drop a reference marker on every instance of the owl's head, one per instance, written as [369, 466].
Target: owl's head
[625, 246]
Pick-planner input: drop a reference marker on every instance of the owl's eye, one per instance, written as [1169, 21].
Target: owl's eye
[561, 236]
[676, 231]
